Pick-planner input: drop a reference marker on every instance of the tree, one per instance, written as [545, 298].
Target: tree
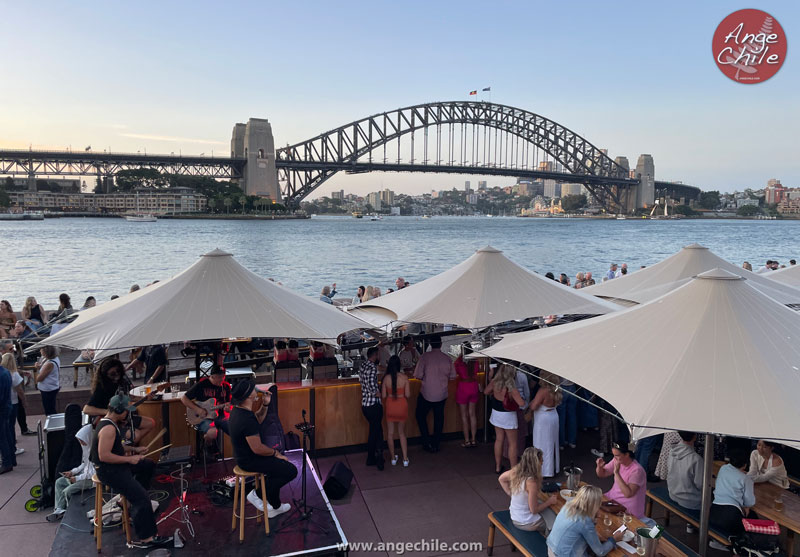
[684, 210]
[227, 202]
[5, 199]
[212, 204]
[709, 200]
[243, 202]
[571, 203]
[130, 179]
[748, 211]
[98, 187]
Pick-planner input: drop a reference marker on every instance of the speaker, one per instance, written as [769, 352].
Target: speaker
[53, 441]
[337, 484]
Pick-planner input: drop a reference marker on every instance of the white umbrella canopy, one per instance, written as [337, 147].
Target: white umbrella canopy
[486, 289]
[713, 356]
[789, 276]
[214, 298]
[651, 282]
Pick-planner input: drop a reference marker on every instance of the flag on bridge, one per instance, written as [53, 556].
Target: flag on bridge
[487, 88]
[475, 92]
[89, 148]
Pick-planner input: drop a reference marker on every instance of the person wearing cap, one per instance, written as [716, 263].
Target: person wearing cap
[612, 272]
[126, 471]
[252, 454]
[214, 387]
[109, 380]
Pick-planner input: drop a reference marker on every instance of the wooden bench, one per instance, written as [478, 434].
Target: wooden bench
[661, 496]
[678, 544]
[794, 481]
[530, 544]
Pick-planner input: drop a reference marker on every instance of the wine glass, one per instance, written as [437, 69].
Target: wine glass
[627, 518]
[640, 550]
[607, 521]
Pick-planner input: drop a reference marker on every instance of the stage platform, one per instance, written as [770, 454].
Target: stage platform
[289, 535]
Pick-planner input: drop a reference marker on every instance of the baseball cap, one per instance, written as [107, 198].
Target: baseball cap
[120, 403]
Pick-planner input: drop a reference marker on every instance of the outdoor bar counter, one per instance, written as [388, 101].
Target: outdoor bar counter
[334, 407]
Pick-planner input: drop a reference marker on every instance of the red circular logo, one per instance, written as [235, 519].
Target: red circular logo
[749, 46]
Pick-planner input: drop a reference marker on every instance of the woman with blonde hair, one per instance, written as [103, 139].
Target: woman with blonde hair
[504, 400]
[33, 314]
[368, 294]
[574, 532]
[545, 421]
[7, 318]
[522, 483]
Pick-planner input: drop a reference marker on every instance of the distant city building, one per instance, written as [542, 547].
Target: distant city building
[481, 185]
[172, 201]
[774, 192]
[472, 198]
[395, 211]
[337, 195]
[387, 197]
[374, 199]
[746, 201]
[552, 189]
[572, 189]
[467, 187]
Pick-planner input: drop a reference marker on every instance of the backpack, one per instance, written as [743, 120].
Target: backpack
[760, 538]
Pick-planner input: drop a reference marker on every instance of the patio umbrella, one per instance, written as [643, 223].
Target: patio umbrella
[486, 289]
[651, 282]
[789, 275]
[214, 298]
[715, 356]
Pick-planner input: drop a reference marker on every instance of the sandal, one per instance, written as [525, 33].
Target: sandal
[465, 445]
[473, 444]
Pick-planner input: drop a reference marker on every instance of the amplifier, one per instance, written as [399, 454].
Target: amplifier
[53, 441]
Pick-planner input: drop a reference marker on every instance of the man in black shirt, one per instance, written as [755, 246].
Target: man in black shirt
[252, 454]
[126, 470]
[155, 360]
[109, 380]
[215, 388]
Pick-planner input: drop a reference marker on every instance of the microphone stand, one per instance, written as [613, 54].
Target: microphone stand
[301, 505]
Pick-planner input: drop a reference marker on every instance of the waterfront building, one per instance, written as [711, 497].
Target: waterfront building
[746, 201]
[472, 198]
[467, 186]
[646, 174]
[374, 199]
[481, 185]
[387, 197]
[572, 189]
[552, 189]
[775, 192]
[172, 201]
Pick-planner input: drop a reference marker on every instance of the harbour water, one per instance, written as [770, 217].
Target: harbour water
[102, 257]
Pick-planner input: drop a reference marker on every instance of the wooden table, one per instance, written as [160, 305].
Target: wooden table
[169, 412]
[665, 548]
[766, 493]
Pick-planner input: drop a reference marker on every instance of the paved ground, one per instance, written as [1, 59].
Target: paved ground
[444, 496]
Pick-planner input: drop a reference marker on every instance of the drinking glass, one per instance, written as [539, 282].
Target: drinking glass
[640, 550]
[779, 503]
[607, 521]
[147, 389]
[627, 518]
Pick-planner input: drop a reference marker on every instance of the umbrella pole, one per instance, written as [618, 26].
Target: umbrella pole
[708, 462]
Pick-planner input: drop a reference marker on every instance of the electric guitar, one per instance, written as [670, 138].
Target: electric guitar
[194, 417]
[156, 389]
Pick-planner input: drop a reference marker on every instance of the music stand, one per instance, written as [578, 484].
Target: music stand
[182, 456]
[304, 510]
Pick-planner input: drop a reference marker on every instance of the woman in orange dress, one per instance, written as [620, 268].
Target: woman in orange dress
[395, 391]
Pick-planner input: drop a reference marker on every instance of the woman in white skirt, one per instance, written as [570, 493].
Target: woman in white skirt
[545, 422]
[504, 400]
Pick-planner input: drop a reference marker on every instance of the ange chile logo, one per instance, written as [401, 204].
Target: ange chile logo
[749, 46]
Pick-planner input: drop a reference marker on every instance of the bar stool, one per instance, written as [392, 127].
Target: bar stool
[98, 513]
[239, 496]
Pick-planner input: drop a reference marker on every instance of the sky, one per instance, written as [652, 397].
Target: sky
[170, 77]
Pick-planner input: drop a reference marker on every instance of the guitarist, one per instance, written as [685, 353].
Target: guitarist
[111, 380]
[216, 389]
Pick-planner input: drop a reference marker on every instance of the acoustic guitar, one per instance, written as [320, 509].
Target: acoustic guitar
[194, 417]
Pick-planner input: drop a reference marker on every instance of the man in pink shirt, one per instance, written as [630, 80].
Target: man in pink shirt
[630, 480]
[435, 369]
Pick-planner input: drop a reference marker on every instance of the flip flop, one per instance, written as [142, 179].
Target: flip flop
[465, 445]
[473, 444]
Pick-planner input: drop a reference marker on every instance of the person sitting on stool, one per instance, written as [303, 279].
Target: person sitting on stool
[126, 471]
[212, 387]
[254, 456]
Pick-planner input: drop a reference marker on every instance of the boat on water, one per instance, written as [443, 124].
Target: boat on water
[622, 217]
[27, 215]
[141, 217]
[138, 216]
[375, 217]
[357, 215]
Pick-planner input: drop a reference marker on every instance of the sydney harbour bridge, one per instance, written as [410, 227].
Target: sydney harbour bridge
[457, 137]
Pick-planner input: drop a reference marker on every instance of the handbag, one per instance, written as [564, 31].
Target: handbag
[509, 404]
[760, 537]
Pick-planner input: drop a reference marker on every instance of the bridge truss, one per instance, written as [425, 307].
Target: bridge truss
[454, 137]
[89, 163]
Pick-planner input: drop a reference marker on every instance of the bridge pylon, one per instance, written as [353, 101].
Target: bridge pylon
[254, 142]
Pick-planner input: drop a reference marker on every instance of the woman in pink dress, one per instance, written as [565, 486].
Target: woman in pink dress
[467, 396]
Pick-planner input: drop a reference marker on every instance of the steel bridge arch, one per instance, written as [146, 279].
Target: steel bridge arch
[305, 166]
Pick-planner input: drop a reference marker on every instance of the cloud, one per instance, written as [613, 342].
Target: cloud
[172, 139]
[118, 126]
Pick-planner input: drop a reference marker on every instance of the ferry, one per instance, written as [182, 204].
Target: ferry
[357, 215]
[27, 215]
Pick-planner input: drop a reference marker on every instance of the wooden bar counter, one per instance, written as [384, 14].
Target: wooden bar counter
[334, 407]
